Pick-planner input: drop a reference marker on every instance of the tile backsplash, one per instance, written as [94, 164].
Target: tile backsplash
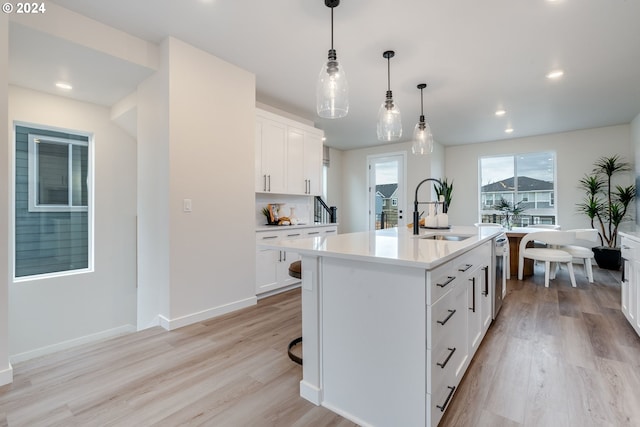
[303, 206]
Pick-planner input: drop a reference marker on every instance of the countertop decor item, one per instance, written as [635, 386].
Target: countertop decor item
[444, 189]
[608, 206]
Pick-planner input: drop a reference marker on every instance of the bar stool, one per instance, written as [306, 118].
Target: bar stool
[295, 270]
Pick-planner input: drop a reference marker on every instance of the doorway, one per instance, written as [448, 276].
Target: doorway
[387, 190]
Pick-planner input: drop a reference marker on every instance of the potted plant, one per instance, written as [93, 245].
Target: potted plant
[607, 206]
[444, 189]
[510, 211]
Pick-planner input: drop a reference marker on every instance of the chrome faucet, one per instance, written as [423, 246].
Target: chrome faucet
[416, 215]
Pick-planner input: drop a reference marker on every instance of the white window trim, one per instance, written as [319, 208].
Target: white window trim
[33, 171]
[91, 214]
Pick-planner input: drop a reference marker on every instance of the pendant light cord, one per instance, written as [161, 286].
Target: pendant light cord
[331, 28]
[388, 74]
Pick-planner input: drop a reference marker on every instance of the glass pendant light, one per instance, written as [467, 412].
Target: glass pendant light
[422, 136]
[389, 121]
[332, 90]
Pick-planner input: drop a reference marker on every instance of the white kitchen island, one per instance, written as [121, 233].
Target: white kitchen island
[390, 321]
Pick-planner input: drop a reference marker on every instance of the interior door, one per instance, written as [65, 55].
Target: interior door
[387, 179]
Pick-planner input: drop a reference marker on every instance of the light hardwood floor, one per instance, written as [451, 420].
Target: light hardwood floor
[554, 357]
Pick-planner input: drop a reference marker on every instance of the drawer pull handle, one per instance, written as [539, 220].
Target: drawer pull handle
[330, 231]
[269, 237]
[443, 322]
[465, 267]
[313, 232]
[486, 281]
[443, 364]
[444, 405]
[293, 235]
[449, 280]
[473, 294]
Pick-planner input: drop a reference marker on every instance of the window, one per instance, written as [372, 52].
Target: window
[53, 202]
[527, 179]
[394, 202]
[58, 170]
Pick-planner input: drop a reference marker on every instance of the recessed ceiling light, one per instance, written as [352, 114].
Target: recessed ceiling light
[63, 85]
[555, 74]
[500, 113]
[508, 130]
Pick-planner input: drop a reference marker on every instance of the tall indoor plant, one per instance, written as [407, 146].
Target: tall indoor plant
[607, 206]
[509, 211]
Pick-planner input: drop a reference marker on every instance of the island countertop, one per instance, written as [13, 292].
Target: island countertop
[396, 246]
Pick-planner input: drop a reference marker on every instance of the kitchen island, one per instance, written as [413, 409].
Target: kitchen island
[390, 321]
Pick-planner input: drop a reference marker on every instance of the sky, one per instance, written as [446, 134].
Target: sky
[532, 165]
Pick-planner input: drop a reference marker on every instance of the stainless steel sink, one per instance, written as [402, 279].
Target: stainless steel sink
[450, 237]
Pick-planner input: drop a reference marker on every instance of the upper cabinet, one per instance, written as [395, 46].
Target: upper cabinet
[288, 156]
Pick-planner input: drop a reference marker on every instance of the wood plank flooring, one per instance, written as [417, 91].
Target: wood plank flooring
[554, 357]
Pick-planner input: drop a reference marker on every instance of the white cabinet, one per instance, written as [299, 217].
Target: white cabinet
[272, 266]
[288, 156]
[271, 140]
[458, 317]
[630, 286]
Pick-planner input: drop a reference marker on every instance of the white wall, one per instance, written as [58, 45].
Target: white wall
[6, 373]
[153, 195]
[575, 154]
[355, 205]
[635, 146]
[335, 191]
[209, 160]
[66, 310]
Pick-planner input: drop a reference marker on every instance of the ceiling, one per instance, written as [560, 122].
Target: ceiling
[475, 56]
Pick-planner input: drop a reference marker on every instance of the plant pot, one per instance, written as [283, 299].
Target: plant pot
[608, 258]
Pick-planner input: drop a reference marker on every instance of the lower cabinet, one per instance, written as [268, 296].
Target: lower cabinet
[459, 315]
[630, 285]
[272, 266]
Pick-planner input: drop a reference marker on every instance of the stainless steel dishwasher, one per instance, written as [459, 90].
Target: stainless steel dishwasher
[501, 253]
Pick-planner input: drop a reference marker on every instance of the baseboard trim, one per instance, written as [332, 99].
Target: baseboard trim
[190, 319]
[310, 392]
[347, 415]
[109, 333]
[6, 376]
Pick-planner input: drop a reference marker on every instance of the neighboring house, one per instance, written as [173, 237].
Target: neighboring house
[536, 196]
[387, 202]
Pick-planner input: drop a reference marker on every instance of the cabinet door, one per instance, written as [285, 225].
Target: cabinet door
[486, 296]
[296, 183]
[273, 140]
[313, 163]
[286, 258]
[474, 326]
[266, 270]
[627, 266]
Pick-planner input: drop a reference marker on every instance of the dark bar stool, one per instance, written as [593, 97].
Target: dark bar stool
[295, 270]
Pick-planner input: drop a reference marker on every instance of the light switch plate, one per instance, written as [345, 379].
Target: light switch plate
[186, 205]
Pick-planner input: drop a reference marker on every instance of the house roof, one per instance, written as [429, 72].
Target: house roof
[386, 190]
[524, 184]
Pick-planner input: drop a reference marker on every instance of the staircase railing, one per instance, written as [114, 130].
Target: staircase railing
[323, 213]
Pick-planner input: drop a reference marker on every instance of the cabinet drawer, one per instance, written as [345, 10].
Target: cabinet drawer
[446, 361]
[447, 317]
[438, 402]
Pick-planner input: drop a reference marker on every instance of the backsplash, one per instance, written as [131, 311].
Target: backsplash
[303, 206]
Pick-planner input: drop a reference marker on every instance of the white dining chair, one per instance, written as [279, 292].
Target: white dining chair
[549, 254]
[586, 238]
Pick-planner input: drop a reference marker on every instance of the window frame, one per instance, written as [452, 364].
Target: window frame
[514, 195]
[89, 209]
[34, 206]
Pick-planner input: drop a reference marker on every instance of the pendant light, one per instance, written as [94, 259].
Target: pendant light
[422, 136]
[332, 90]
[389, 122]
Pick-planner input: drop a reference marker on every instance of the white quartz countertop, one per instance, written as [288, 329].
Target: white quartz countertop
[396, 246]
